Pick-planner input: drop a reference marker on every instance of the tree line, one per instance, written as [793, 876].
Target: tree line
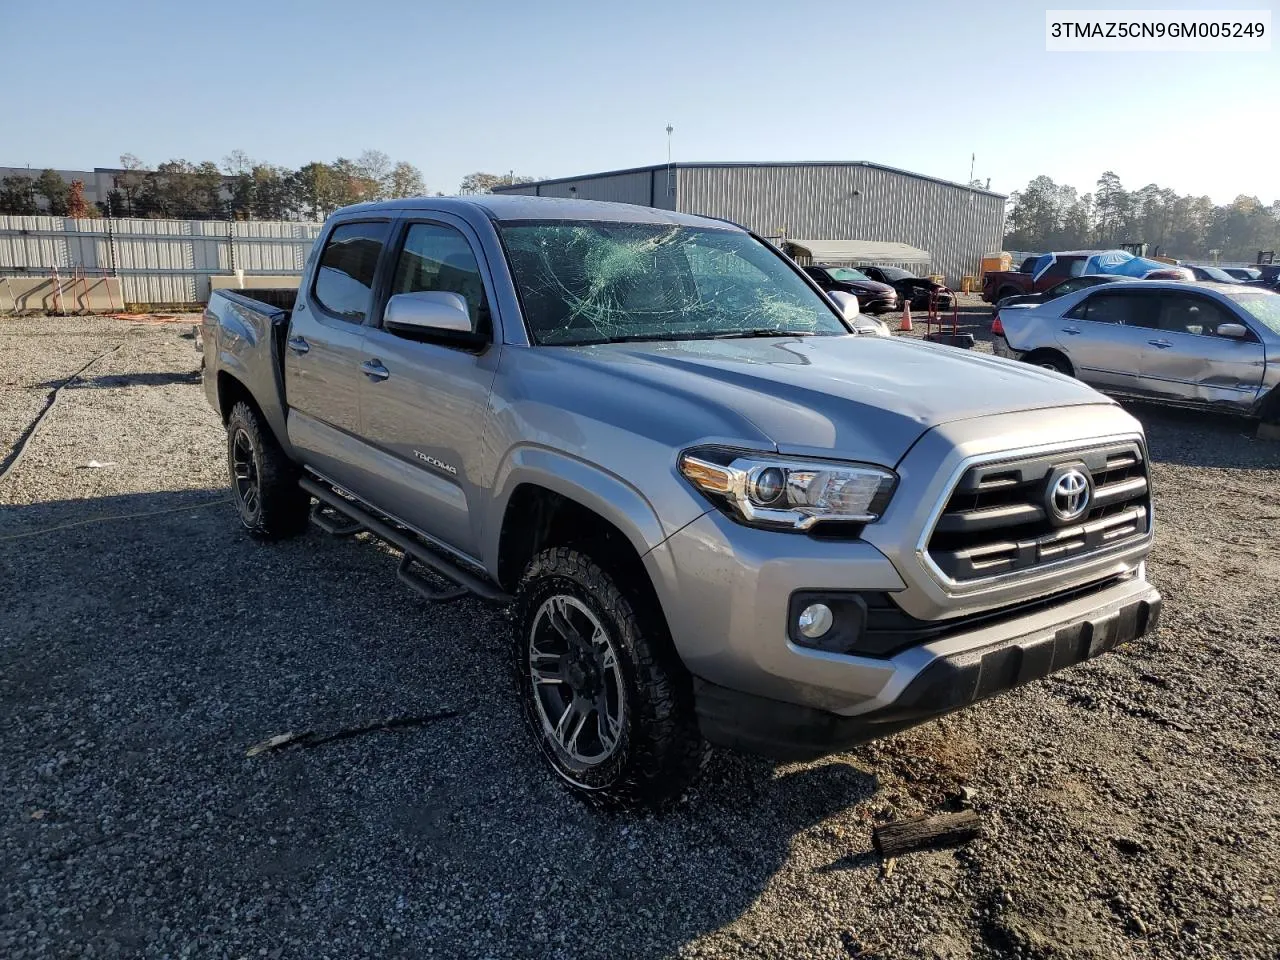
[1050, 216]
[238, 188]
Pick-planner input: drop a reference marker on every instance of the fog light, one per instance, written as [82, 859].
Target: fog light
[815, 620]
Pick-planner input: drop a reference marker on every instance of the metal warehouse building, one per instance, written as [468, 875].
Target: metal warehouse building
[950, 226]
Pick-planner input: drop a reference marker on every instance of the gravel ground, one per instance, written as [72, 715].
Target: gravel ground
[1129, 804]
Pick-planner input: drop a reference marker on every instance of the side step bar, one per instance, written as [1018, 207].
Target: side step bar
[413, 551]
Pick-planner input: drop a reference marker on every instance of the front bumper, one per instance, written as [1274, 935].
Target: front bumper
[879, 304]
[960, 671]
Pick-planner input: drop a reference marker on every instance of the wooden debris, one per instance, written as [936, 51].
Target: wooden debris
[276, 742]
[944, 830]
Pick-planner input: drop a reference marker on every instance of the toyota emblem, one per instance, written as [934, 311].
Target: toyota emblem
[1068, 495]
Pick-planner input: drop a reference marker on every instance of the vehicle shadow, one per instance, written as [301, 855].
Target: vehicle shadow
[143, 379]
[151, 642]
[1197, 438]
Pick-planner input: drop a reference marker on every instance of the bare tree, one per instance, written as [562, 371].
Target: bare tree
[130, 183]
[374, 166]
[405, 181]
[237, 163]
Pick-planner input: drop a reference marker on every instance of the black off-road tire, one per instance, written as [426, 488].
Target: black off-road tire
[661, 751]
[280, 508]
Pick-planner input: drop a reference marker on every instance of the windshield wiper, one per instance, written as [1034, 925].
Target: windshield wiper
[689, 335]
[759, 332]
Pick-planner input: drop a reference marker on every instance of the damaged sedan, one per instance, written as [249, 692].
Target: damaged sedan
[1199, 345]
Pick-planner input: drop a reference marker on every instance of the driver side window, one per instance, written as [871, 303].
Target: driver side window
[1193, 315]
[438, 257]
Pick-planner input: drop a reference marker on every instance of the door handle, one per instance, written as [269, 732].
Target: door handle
[299, 345]
[1162, 344]
[1071, 330]
[374, 370]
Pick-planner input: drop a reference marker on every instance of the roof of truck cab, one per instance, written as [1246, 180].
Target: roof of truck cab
[518, 207]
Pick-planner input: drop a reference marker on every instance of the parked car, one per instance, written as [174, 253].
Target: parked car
[1243, 273]
[1210, 273]
[873, 297]
[1205, 344]
[1058, 290]
[918, 290]
[717, 514]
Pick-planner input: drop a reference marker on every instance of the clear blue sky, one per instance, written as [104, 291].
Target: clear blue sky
[559, 88]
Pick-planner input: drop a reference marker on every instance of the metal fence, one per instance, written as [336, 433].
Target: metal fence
[159, 262]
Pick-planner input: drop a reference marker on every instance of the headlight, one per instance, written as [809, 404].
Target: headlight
[786, 493]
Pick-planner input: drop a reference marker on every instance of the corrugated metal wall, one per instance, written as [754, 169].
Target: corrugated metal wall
[158, 261]
[818, 202]
[646, 187]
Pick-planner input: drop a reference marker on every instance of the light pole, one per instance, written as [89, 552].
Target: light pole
[670, 130]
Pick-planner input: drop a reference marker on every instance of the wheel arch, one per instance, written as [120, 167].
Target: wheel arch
[539, 478]
[231, 390]
[538, 517]
[1040, 355]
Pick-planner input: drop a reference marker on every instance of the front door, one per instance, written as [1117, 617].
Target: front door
[425, 412]
[323, 350]
[1186, 360]
[1104, 336]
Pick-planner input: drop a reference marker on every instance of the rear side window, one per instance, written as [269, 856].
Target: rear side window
[1130, 309]
[438, 257]
[348, 263]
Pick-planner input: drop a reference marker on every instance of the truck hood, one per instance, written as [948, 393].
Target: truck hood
[851, 397]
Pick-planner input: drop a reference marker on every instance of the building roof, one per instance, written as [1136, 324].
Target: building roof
[741, 163]
[863, 251]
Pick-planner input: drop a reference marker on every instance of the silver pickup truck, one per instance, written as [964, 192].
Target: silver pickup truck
[720, 515]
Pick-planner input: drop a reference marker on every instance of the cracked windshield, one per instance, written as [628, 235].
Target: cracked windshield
[595, 282]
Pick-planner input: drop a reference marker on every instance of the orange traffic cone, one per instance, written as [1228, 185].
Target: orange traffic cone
[905, 326]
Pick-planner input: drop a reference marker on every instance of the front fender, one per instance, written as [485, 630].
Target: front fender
[606, 494]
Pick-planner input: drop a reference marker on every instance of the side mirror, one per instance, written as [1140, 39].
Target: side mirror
[1236, 331]
[846, 303]
[430, 315]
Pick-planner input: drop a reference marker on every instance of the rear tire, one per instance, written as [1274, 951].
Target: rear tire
[604, 693]
[1050, 360]
[264, 481]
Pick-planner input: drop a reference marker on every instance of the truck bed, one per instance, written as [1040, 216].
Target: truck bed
[244, 332]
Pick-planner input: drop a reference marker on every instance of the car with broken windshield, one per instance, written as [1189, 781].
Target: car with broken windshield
[717, 513]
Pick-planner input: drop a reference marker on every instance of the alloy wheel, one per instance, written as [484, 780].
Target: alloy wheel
[577, 681]
[244, 474]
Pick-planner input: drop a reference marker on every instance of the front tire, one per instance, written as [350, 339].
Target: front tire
[264, 481]
[604, 694]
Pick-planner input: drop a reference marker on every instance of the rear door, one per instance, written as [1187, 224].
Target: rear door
[425, 412]
[1104, 336]
[1184, 358]
[324, 348]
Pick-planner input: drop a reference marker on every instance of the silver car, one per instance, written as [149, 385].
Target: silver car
[1192, 344]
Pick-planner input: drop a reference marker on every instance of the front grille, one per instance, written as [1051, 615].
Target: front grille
[998, 520]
